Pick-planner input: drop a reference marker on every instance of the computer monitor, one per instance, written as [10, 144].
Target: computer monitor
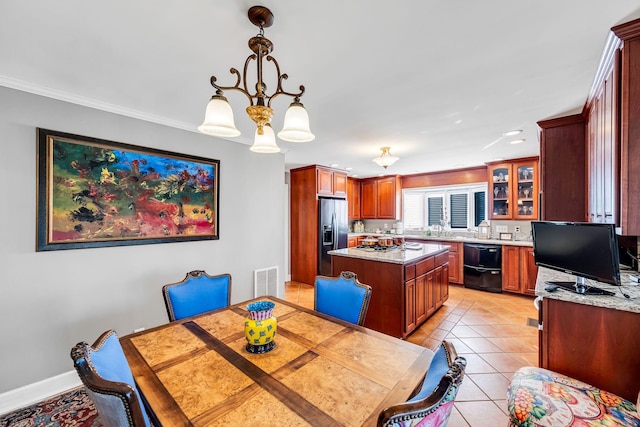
[585, 250]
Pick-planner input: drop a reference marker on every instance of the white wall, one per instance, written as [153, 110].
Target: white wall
[49, 301]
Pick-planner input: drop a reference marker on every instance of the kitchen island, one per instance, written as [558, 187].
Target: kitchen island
[408, 285]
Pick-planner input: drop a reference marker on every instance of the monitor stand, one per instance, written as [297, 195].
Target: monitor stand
[580, 287]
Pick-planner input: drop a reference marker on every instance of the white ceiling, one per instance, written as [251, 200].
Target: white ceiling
[438, 81]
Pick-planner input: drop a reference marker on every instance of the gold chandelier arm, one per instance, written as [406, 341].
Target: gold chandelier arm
[279, 90]
[237, 85]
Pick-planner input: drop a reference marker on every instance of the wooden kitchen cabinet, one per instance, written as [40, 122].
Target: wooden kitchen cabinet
[562, 169]
[381, 198]
[352, 242]
[519, 270]
[306, 185]
[426, 289]
[596, 345]
[629, 128]
[456, 261]
[528, 271]
[603, 152]
[353, 198]
[510, 268]
[513, 189]
[330, 182]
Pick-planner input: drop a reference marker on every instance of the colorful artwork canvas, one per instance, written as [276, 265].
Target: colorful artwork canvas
[94, 193]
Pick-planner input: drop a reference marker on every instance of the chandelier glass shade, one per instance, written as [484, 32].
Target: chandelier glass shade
[219, 120]
[265, 142]
[386, 159]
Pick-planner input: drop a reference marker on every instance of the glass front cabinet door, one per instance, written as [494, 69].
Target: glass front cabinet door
[500, 176]
[526, 198]
[513, 189]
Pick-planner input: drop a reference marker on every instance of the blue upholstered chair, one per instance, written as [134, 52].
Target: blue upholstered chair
[343, 297]
[196, 293]
[105, 372]
[432, 402]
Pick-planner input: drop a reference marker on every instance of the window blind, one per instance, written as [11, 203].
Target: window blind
[435, 210]
[413, 215]
[459, 210]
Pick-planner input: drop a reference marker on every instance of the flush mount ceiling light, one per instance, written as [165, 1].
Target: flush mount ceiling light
[218, 119]
[512, 132]
[517, 141]
[386, 159]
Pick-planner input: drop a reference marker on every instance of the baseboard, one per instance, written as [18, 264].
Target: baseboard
[36, 392]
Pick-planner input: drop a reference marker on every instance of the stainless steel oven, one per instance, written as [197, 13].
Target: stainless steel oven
[483, 267]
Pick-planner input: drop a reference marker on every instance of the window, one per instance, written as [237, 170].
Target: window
[456, 207]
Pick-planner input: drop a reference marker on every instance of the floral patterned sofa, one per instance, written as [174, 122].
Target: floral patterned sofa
[539, 397]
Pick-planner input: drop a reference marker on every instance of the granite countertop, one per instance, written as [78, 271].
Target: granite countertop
[394, 256]
[617, 301]
[464, 239]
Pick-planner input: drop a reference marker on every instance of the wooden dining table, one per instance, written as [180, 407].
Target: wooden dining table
[322, 372]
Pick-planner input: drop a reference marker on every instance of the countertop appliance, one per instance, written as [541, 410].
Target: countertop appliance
[333, 230]
[483, 267]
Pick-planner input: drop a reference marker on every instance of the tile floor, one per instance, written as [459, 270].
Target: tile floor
[489, 330]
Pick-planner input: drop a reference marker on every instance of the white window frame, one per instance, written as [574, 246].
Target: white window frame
[445, 192]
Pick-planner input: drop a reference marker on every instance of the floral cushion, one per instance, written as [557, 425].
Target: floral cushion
[539, 397]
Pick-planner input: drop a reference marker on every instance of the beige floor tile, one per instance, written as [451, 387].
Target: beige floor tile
[481, 345]
[493, 385]
[515, 344]
[469, 391]
[477, 365]
[463, 331]
[503, 362]
[482, 414]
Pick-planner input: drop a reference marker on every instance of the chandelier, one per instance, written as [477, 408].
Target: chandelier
[386, 159]
[218, 119]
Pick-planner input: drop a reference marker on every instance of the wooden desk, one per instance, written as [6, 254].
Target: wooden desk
[323, 372]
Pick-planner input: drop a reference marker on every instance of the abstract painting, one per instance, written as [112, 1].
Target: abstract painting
[94, 193]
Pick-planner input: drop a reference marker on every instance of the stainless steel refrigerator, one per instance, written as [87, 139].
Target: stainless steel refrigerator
[333, 228]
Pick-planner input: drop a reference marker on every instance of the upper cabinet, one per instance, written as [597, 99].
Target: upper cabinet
[603, 149]
[330, 182]
[590, 161]
[628, 126]
[513, 189]
[381, 198]
[353, 198]
[562, 168]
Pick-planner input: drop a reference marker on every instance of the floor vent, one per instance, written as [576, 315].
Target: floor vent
[265, 282]
[532, 322]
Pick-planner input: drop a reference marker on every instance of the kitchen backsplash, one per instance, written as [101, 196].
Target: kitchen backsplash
[521, 230]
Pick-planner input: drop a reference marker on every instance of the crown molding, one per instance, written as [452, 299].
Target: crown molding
[103, 106]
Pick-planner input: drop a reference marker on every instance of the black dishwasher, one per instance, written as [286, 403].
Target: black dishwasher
[483, 267]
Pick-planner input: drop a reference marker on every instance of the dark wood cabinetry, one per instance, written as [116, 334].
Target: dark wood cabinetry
[306, 184]
[590, 162]
[403, 295]
[562, 169]
[596, 345]
[353, 198]
[513, 189]
[455, 269]
[603, 148]
[629, 122]
[381, 198]
[331, 182]
[519, 270]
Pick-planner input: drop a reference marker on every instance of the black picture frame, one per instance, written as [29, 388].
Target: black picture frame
[98, 193]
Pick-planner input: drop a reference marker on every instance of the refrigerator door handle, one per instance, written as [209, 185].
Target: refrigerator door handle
[335, 231]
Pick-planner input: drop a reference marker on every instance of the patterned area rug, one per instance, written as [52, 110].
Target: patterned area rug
[73, 409]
